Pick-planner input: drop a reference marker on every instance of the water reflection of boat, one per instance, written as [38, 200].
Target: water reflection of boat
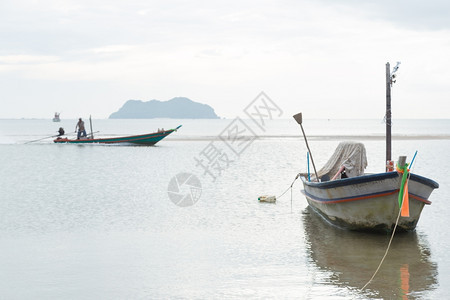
[352, 257]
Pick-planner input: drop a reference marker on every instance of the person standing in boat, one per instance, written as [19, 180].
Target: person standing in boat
[81, 129]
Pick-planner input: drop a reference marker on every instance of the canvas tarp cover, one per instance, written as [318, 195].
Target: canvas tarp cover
[351, 155]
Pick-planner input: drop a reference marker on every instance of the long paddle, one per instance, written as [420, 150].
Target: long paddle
[47, 137]
[298, 118]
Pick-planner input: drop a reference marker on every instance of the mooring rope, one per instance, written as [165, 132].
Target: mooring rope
[390, 240]
[387, 250]
[289, 188]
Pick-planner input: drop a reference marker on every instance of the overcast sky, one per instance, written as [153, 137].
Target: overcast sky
[325, 58]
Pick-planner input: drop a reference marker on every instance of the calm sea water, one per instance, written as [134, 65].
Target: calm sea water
[97, 222]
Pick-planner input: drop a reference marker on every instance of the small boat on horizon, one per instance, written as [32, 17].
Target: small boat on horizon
[56, 117]
[148, 139]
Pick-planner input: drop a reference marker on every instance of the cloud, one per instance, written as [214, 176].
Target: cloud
[223, 53]
[409, 14]
[112, 49]
[27, 59]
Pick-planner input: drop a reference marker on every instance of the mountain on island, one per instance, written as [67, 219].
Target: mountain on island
[176, 108]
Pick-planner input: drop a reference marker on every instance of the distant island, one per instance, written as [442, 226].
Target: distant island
[176, 108]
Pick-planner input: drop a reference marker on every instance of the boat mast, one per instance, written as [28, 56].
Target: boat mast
[388, 115]
[389, 81]
[90, 121]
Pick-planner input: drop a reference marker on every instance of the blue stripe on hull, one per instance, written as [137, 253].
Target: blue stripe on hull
[368, 178]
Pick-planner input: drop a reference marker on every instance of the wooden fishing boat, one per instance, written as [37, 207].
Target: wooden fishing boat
[367, 202]
[148, 139]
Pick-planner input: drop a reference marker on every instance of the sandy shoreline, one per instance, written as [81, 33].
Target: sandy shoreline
[318, 137]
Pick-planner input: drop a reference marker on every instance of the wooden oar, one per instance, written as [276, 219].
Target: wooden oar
[298, 118]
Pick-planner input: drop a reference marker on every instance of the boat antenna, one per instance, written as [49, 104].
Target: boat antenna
[298, 118]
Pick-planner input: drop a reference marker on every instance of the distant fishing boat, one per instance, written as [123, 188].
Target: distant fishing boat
[56, 117]
[148, 139]
[347, 197]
